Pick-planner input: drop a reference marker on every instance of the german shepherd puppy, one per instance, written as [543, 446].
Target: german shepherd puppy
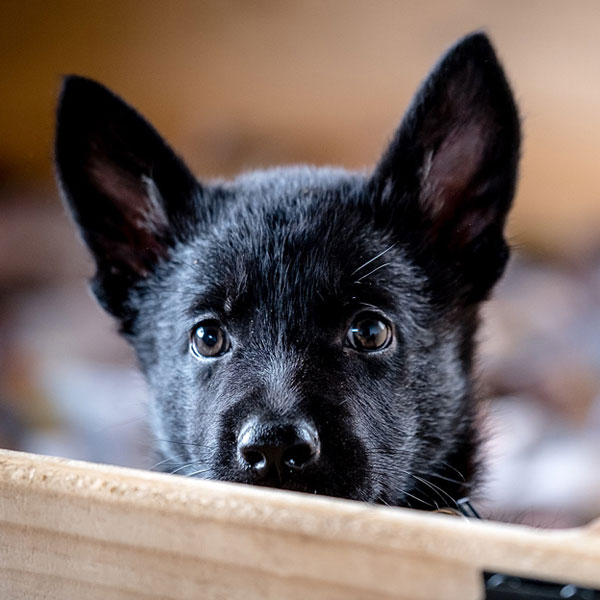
[307, 328]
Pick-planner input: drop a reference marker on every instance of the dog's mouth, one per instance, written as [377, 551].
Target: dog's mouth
[315, 482]
[292, 486]
[316, 485]
[346, 486]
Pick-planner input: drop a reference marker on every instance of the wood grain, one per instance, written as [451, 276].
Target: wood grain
[74, 530]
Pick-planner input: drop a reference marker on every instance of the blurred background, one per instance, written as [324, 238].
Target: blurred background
[236, 85]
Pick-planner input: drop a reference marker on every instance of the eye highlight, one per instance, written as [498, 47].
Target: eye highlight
[369, 332]
[208, 339]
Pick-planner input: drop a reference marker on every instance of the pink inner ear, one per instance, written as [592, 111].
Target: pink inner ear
[448, 175]
[141, 221]
[136, 198]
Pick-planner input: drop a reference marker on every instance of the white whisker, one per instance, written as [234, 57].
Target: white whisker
[373, 271]
[374, 259]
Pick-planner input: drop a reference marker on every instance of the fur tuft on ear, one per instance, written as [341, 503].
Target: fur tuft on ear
[451, 168]
[129, 193]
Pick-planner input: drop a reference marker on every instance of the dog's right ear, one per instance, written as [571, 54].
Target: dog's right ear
[131, 196]
[448, 177]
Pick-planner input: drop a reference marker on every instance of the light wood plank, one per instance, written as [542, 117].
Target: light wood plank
[70, 529]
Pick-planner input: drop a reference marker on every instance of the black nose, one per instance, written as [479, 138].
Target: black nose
[284, 449]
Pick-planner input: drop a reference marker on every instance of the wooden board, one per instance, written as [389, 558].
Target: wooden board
[72, 530]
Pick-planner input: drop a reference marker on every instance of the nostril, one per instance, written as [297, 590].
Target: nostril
[254, 458]
[298, 456]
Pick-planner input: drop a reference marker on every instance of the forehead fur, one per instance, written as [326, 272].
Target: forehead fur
[283, 229]
[290, 262]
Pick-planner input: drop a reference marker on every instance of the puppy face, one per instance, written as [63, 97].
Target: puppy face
[304, 328]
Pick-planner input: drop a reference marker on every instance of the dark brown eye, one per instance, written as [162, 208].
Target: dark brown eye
[369, 333]
[208, 339]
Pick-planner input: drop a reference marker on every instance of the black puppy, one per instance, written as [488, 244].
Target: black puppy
[306, 328]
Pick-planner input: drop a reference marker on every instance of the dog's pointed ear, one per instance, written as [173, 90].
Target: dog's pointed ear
[450, 170]
[131, 196]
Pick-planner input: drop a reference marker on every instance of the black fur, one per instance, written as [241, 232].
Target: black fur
[285, 259]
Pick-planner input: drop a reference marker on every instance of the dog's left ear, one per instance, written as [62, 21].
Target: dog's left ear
[131, 196]
[449, 173]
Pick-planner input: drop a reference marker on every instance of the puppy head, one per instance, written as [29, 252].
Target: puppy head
[306, 328]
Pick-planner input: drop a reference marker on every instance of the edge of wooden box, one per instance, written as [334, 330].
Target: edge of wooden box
[69, 527]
